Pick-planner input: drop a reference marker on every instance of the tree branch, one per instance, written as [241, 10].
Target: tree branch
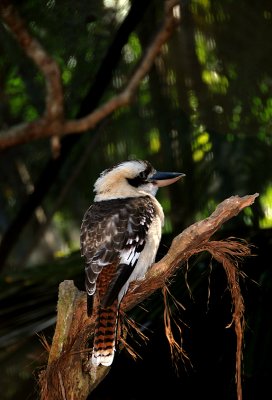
[126, 96]
[53, 123]
[68, 356]
[92, 98]
[52, 118]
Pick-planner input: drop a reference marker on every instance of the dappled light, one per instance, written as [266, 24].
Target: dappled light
[186, 85]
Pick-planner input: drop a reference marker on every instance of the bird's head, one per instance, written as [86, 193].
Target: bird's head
[132, 179]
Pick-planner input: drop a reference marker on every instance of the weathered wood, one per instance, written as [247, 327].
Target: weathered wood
[69, 375]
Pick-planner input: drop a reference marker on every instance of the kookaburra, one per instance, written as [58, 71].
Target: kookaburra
[119, 239]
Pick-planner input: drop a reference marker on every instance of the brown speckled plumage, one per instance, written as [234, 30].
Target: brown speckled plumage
[110, 231]
[120, 235]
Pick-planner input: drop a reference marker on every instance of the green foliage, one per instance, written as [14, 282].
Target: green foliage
[209, 128]
[222, 112]
[204, 109]
[266, 201]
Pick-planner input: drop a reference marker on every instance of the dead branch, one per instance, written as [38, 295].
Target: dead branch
[53, 123]
[229, 253]
[69, 351]
[184, 246]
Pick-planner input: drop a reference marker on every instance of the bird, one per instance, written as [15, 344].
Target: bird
[119, 238]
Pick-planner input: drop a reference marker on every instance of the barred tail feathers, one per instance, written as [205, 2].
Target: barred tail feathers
[105, 335]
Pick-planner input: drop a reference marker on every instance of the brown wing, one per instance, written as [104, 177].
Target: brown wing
[113, 234]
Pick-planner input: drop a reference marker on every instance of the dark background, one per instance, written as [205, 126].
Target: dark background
[204, 109]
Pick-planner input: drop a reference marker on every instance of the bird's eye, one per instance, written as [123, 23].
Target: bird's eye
[139, 180]
[142, 175]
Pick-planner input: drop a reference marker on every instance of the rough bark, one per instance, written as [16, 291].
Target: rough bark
[68, 374]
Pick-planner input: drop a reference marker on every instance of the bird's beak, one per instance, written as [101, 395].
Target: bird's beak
[161, 179]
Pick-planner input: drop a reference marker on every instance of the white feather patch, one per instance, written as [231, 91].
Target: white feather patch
[102, 359]
[129, 257]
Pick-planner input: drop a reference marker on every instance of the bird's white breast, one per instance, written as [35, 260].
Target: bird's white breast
[147, 256]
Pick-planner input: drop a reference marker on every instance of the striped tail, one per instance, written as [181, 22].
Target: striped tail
[105, 335]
